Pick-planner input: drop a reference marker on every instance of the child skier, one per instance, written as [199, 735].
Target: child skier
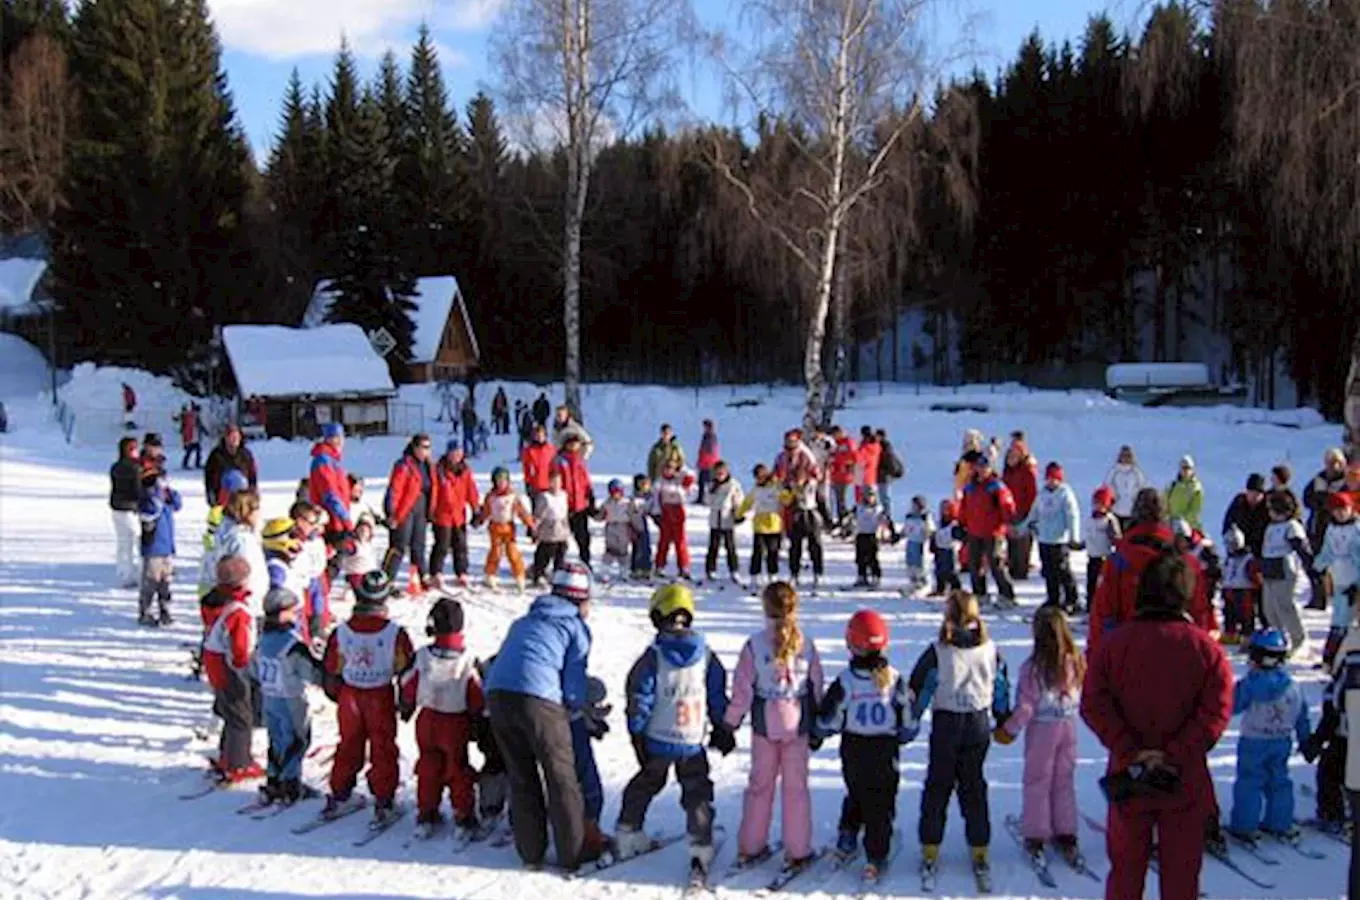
[207, 566]
[362, 558]
[917, 530]
[668, 505]
[157, 508]
[944, 547]
[1339, 558]
[282, 551]
[677, 687]
[778, 680]
[724, 498]
[364, 656]
[617, 514]
[492, 781]
[1047, 700]
[1285, 543]
[869, 520]
[1272, 706]
[316, 602]
[1055, 520]
[552, 531]
[869, 704]
[1330, 743]
[1102, 533]
[639, 516]
[961, 678]
[500, 508]
[1241, 587]
[444, 685]
[227, 646]
[804, 521]
[284, 666]
[768, 525]
[589, 723]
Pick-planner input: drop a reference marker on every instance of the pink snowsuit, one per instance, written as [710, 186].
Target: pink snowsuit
[782, 700]
[1050, 793]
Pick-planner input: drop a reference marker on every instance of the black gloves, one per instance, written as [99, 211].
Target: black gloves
[1076, 546]
[815, 742]
[406, 710]
[722, 739]
[596, 728]
[1312, 748]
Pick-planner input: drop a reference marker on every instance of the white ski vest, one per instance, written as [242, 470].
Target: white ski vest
[868, 708]
[216, 639]
[502, 508]
[916, 529]
[966, 677]
[681, 711]
[1237, 571]
[776, 680]
[278, 678]
[443, 680]
[1098, 536]
[367, 660]
[1277, 547]
[1340, 545]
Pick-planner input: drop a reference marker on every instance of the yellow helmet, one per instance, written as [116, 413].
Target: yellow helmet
[215, 516]
[669, 601]
[277, 535]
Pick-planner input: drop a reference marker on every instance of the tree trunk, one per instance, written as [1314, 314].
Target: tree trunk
[1351, 410]
[813, 370]
[577, 182]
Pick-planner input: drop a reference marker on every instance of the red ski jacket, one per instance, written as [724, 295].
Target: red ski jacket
[843, 461]
[870, 452]
[1117, 591]
[1161, 683]
[403, 489]
[333, 662]
[240, 628]
[537, 460]
[1023, 480]
[988, 508]
[575, 481]
[328, 487]
[454, 492]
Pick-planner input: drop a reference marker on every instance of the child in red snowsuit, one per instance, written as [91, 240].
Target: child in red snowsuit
[364, 656]
[444, 684]
[668, 502]
[229, 640]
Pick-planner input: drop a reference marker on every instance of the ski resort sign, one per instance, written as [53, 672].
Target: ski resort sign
[382, 341]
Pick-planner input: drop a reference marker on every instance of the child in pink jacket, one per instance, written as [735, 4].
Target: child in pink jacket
[1047, 699]
[779, 681]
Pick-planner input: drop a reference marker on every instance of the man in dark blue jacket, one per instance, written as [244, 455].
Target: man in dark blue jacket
[156, 509]
[537, 682]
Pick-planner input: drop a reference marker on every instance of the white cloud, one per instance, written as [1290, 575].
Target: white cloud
[281, 29]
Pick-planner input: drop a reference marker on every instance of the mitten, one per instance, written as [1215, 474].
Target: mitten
[1077, 546]
[1312, 748]
[1002, 736]
[815, 742]
[907, 733]
[722, 739]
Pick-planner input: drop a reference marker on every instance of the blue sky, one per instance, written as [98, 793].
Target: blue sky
[264, 39]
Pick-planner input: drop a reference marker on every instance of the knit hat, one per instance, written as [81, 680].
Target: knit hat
[1187, 462]
[372, 592]
[232, 571]
[446, 617]
[332, 430]
[277, 600]
[235, 480]
[572, 583]
[1256, 482]
[1053, 471]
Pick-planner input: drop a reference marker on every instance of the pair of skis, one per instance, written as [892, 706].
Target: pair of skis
[1256, 851]
[1222, 857]
[1039, 861]
[376, 829]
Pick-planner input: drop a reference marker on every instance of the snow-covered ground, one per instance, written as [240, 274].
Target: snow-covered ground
[98, 722]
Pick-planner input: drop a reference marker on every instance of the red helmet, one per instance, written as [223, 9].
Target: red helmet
[1340, 501]
[1103, 498]
[949, 509]
[866, 633]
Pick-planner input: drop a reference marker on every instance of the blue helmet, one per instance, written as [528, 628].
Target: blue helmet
[615, 486]
[235, 480]
[1268, 647]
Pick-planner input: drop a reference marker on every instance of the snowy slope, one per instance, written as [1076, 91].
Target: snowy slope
[97, 723]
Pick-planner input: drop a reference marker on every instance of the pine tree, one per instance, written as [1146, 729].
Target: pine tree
[372, 284]
[147, 246]
[432, 172]
[294, 185]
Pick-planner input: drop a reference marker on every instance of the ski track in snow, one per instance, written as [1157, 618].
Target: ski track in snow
[98, 721]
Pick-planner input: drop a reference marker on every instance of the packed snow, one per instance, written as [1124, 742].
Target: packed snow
[19, 277]
[276, 361]
[101, 732]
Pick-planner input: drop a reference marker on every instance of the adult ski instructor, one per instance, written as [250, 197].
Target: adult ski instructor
[537, 681]
[327, 485]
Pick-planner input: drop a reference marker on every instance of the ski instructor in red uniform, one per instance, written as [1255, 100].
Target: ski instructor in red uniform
[1158, 694]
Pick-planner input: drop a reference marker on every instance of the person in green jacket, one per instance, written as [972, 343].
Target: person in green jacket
[666, 450]
[1185, 497]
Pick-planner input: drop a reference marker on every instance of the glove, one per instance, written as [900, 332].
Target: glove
[815, 742]
[1077, 546]
[640, 749]
[907, 733]
[596, 728]
[478, 520]
[1312, 748]
[739, 520]
[723, 740]
[959, 533]
[406, 710]
[1002, 736]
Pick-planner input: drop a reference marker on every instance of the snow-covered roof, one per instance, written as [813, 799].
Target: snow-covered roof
[330, 360]
[434, 300]
[19, 277]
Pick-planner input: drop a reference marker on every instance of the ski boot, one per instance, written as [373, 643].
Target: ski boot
[519, 585]
[435, 582]
[428, 821]
[930, 866]
[292, 790]
[700, 863]
[384, 812]
[1215, 844]
[415, 585]
[1034, 849]
[1292, 836]
[1069, 851]
[982, 869]
[491, 582]
[686, 577]
[630, 842]
[336, 806]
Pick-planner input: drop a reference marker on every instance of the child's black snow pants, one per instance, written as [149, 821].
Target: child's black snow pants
[958, 750]
[869, 765]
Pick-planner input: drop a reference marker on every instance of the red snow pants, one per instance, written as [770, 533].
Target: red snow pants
[368, 721]
[1180, 851]
[673, 534]
[443, 741]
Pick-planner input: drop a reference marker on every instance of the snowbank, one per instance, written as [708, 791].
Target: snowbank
[23, 369]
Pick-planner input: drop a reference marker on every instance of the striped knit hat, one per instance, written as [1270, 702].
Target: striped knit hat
[572, 583]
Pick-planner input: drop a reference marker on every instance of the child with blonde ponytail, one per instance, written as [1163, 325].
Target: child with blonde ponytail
[779, 681]
[870, 705]
[961, 678]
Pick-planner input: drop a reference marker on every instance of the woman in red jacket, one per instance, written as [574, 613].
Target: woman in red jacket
[410, 493]
[1021, 474]
[537, 458]
[1159, 723]
[455, 492]
[571, 463]
[842, 465]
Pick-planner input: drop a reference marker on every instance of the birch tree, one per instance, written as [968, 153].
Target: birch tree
[575, 74]
[846, 81]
